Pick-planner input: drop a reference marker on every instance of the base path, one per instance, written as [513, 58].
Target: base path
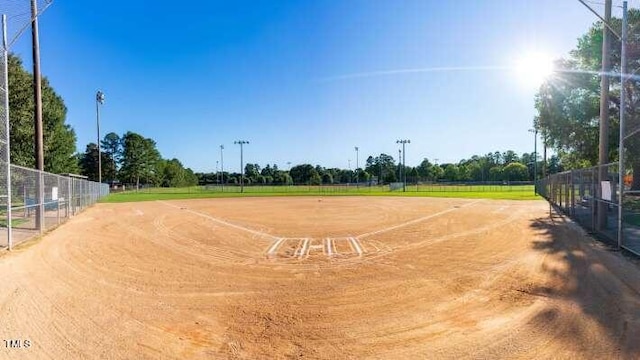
[319, 278]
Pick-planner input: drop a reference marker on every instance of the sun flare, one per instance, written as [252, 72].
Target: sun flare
[534, 68]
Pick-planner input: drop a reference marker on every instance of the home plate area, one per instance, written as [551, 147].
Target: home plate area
[339, 247]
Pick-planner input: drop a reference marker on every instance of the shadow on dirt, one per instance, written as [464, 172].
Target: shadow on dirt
[600, 287]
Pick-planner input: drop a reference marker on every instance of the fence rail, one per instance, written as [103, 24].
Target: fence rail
[594, 204]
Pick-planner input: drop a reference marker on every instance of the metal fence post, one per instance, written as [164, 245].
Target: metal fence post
[594, 194]
[58, 199]
[572, 194]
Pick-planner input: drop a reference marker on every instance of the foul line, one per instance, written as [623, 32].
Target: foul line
[254, 232]
[411, 222]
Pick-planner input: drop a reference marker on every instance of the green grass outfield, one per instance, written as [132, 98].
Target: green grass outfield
[505, 192]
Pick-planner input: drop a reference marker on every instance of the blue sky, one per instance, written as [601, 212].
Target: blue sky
[198, 74]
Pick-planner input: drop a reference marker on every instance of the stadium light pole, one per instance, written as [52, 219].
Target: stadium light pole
[535, 158]
[404, 163]
[241, 143]
[380, 165]
[217, 172]
[399, 163]
[221, 168]
[357, 167]
[99, 101]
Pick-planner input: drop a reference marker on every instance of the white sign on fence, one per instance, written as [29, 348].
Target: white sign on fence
[606, 190]
[54, 193]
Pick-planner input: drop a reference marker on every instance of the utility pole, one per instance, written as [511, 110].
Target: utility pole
[603, 150]
[6, 146]
[623, 105]
[37, 96]
[221, 168]
[241, 143]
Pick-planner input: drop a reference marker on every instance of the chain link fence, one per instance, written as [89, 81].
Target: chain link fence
[595, 204]
[64, 196]
[363, 187]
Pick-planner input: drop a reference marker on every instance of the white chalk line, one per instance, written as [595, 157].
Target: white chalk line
[327, 243]
[355, 245]
[303, 248]
[274, 248]
[415, 221]
[238, 227]
[304, 245]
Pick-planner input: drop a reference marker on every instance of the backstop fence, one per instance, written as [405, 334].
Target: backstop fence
[595, 204]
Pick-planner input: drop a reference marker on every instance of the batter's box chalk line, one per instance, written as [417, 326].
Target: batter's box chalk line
[305, 247]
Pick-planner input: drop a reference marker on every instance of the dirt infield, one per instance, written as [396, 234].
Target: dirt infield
[311, 277]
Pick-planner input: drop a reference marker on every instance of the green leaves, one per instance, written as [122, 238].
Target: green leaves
[59, 138]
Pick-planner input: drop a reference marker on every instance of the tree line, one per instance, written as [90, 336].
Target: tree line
[383, 169]
[130, 158]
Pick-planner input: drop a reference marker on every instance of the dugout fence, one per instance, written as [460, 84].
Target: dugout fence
[594, 204]
[63, 197]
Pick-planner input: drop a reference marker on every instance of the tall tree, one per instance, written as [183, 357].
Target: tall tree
[568, 104]
[59, 138]
[111, 145]
[140, 160]
[89, 162]
[383, 164]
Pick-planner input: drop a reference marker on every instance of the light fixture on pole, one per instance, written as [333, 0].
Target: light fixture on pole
[221, 168]
[241, 143]
[357, 167]
[404, 163]
[535, 158]
[99, 101]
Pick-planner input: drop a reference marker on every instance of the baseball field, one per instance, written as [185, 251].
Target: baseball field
[319, 277]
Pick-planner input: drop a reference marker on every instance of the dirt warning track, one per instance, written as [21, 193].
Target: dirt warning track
[312, 277]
